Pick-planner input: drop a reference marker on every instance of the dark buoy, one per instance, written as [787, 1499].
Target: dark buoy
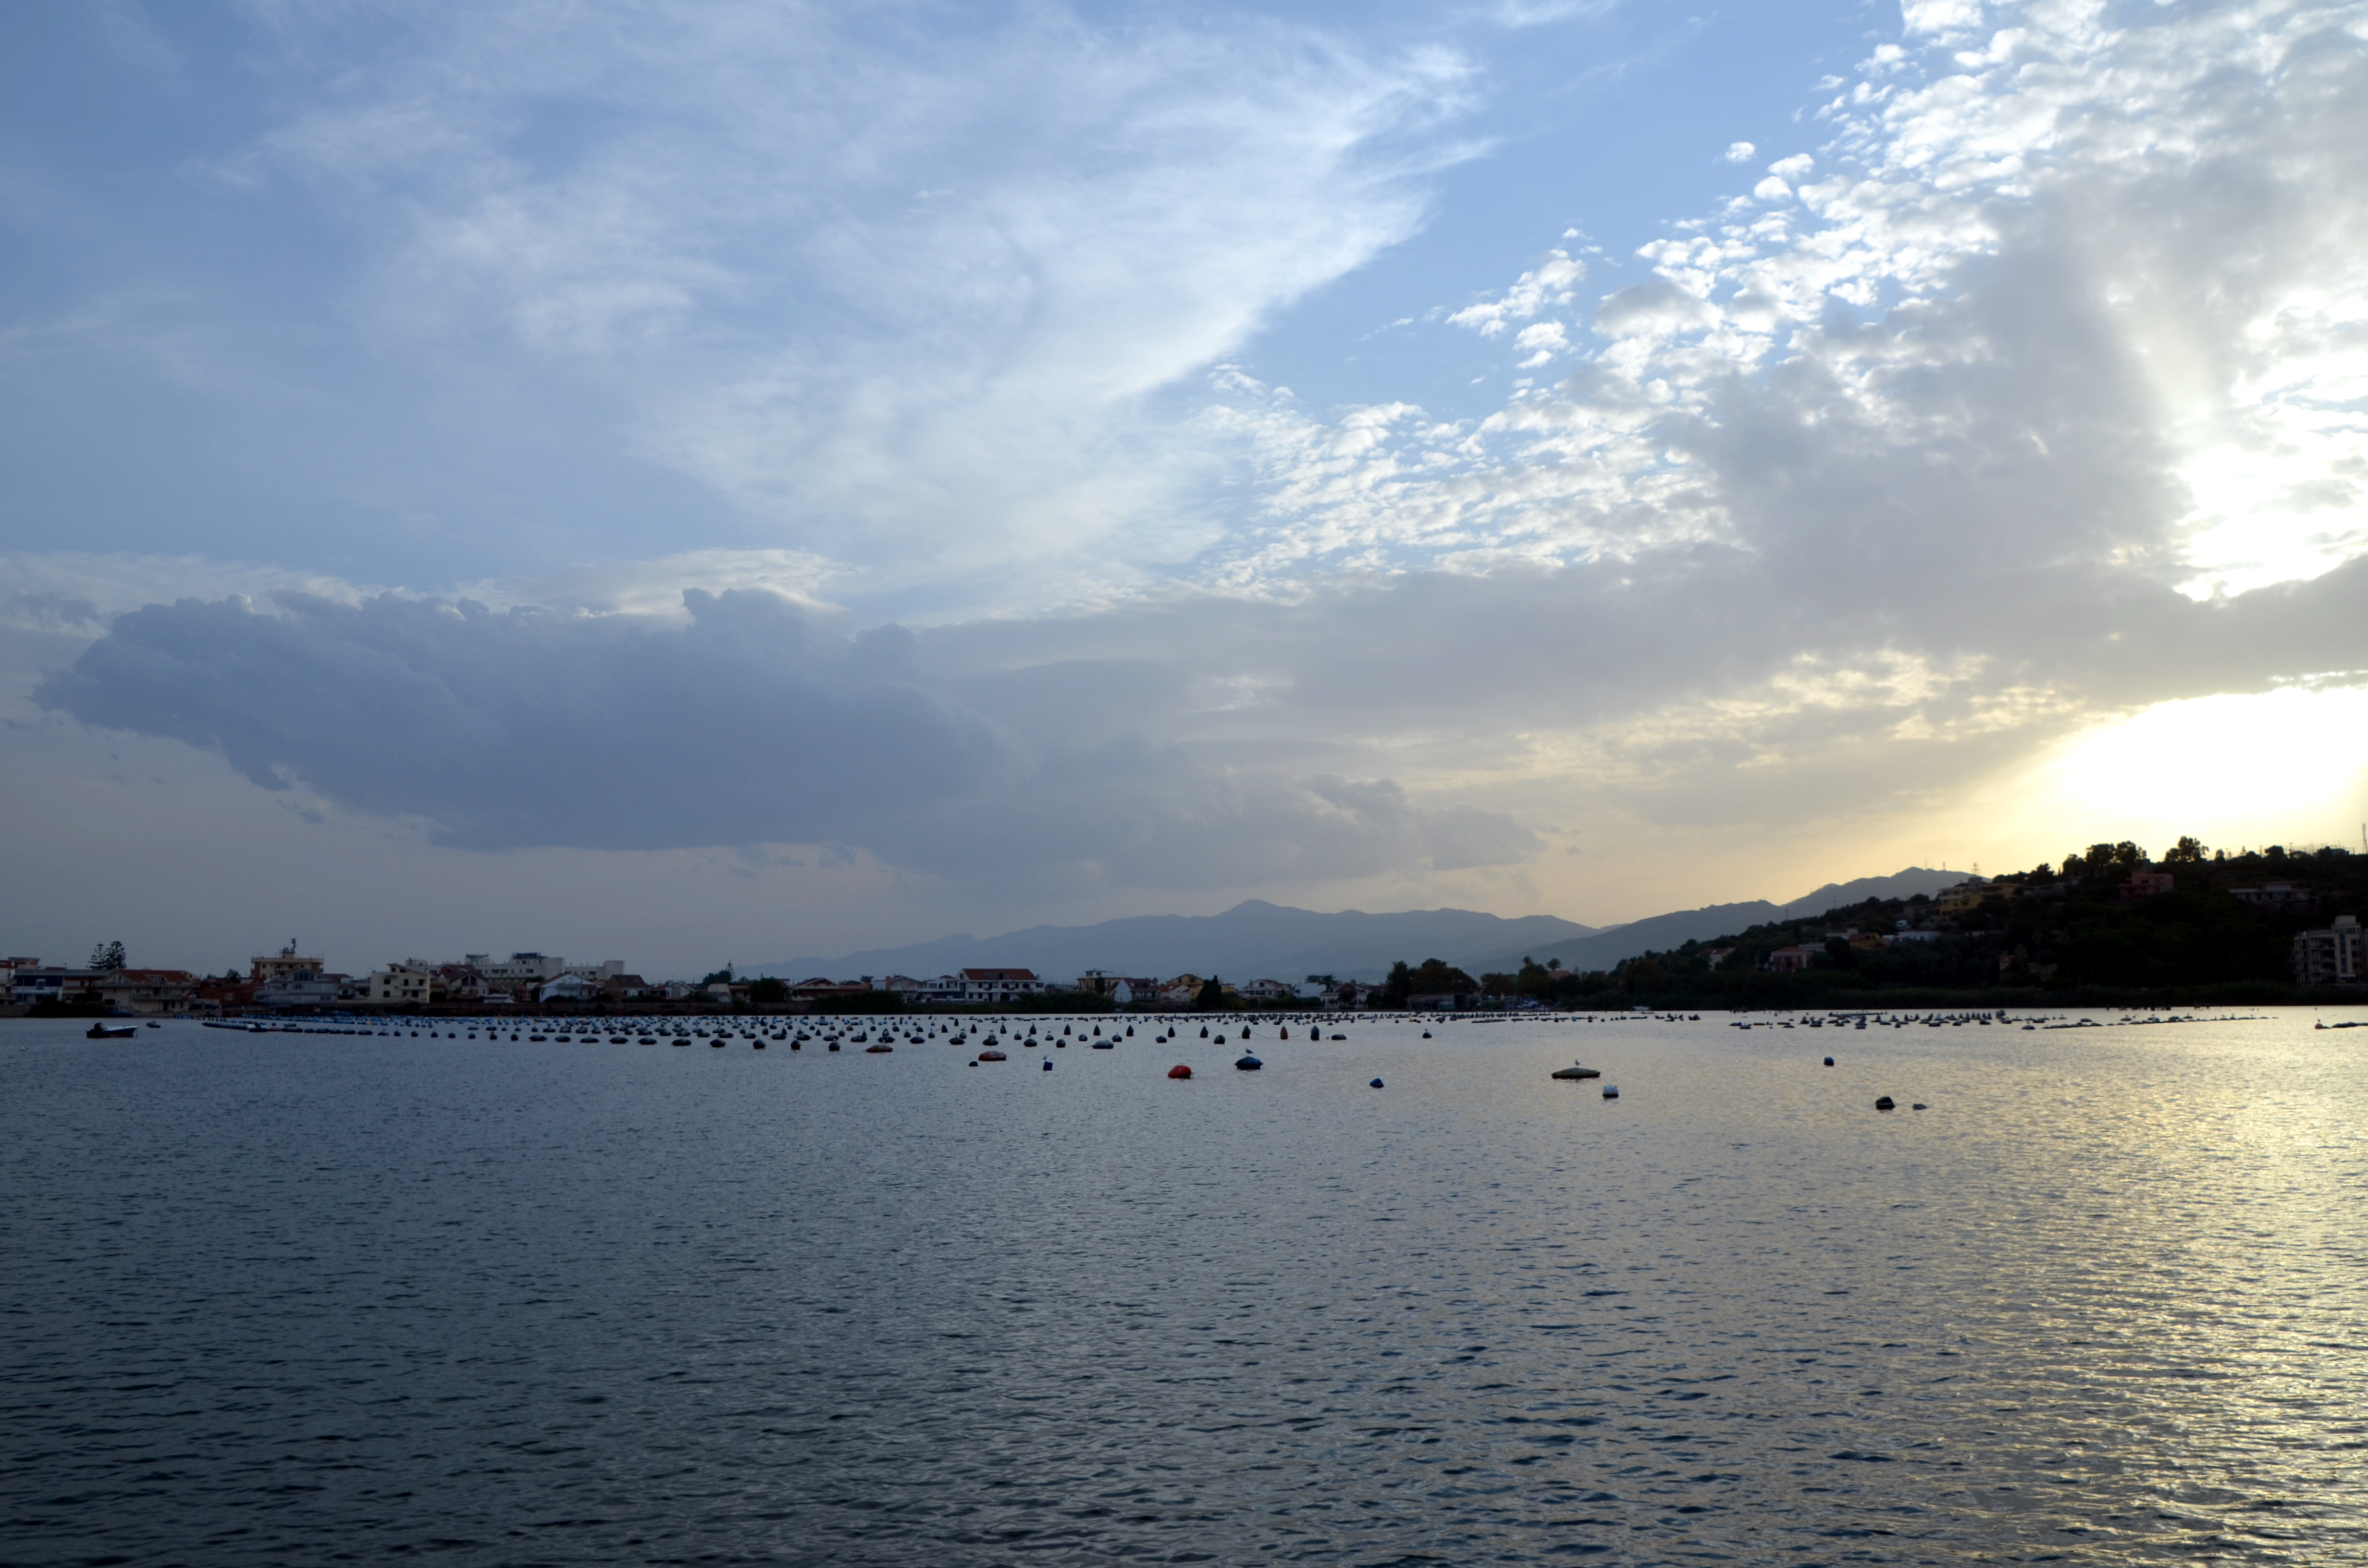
[1048, 1064]
[1221, 1039]
[1829, 1061]
[1425, 1034]
[990, 1054]
[1179, 1071]
[1884, 1104]
[834, 1045]
[1611, 1091]
[1130, 1031]
[1377, 1083]
[1250, 1064]
[1919, 1105]
[1204, 1031]
[1282, 1034]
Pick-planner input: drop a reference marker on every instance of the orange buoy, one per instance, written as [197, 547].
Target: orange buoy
[1179, 1071]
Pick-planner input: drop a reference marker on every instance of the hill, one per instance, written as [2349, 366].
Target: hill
[1257, 940]
[1253, 940]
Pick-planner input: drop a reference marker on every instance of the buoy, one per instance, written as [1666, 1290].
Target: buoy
[876, 1050]
[1884, 1104]
[1130, 1031]
[1283, 1034]
[1250, 1064]
[1104, 1045]
[1829, 1061]
[1611, 1091]
[1339, 1037]
[1575, 1072]
[1425, 1034]
[834, 1045]
[1048, 1064]
[1204, 1031]
[1377, 1083]
[1179, 1071]
[1919, 1105]
[988, 1055]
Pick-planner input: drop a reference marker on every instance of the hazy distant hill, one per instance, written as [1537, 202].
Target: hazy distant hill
[1254, 940]
[1257, 940]
[1661, 932]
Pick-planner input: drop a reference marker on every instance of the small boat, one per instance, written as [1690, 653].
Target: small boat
[990, 1054]
[877, 1049]
[1575, 1072]
[102, 1032]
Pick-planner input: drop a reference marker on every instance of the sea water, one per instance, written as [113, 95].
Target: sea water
[308, 1299]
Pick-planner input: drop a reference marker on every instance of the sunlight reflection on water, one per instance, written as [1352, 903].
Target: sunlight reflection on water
[275, 1297]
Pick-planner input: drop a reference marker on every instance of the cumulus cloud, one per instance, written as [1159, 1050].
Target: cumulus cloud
[743, 723]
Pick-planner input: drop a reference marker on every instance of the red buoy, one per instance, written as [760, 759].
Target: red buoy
[1179, 1071]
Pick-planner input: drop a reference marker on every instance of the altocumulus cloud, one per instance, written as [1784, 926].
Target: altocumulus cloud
[745, 724]
[2015, 401]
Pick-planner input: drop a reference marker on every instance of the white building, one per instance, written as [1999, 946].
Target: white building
[2331, 957]
[568, 986]
[1000, 984]
[301, 988]
[518, 970]
[409, 981]
[1267, 991]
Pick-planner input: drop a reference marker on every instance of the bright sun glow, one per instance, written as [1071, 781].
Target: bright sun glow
[2285, 766]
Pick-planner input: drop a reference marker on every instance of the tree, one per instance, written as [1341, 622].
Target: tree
[768, 990]
[1212, 996]
[107, 957]
[2186, 852]
[720, 977]
[1637, 974]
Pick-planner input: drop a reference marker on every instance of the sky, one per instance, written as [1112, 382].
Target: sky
[702, 484]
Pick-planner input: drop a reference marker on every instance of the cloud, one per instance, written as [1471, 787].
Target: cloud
[1542, 287]
[2103, 295]
[739, 725]
[1739, 152]
[2044, 402]
[900, 306]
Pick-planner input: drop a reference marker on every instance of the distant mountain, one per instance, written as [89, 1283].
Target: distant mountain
[1900, 884]
[1254, 940]
[1257, 940]
[1663, 932]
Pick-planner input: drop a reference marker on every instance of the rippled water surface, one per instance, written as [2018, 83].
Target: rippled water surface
[304, 1300]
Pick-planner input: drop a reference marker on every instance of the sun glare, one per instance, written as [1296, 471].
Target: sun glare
[2285, 766]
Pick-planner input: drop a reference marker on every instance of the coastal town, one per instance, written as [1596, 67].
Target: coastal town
[290, 981]
[2110, 915]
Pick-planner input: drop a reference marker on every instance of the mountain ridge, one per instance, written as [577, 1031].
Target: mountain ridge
[1259, 940]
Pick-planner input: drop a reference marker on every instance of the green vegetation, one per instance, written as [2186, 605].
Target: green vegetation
[2076, 933]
